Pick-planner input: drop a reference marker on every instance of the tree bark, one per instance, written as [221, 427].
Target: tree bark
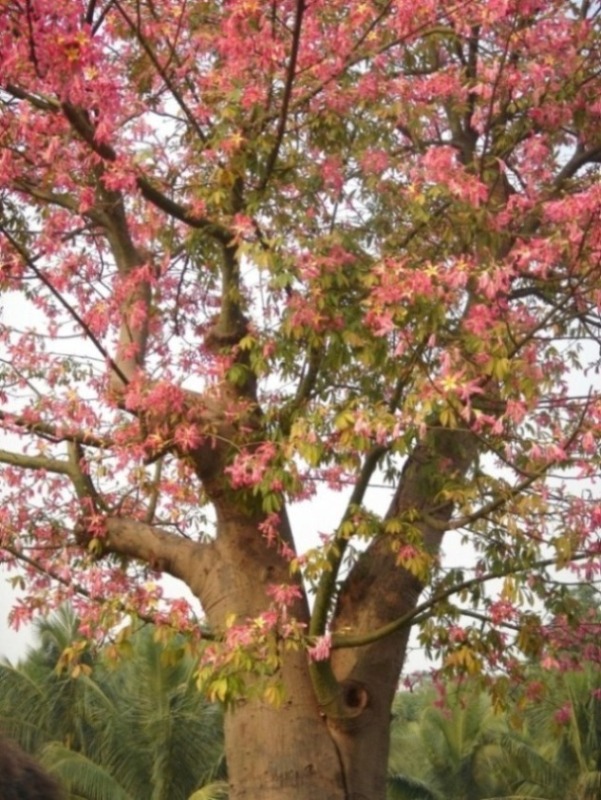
[378, 591]
[275, 753]
[283, 753]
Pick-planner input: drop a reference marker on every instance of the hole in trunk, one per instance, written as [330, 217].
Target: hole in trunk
[355, 696]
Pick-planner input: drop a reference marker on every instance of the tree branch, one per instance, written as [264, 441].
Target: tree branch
[81, 123]
[41, 102]
[119, 605]
[84, 487]
[494, 505]
[53, 434]
[35, 462]
[579, 159]
[329, 576]
[160, 549]
[30, 262]
[290, 75]
[421, 611]
[177, 96]
[377, 591]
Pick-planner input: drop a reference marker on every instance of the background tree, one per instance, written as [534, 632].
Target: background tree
[39, 701]
[451, 743]
[452, 752]
[132, 728]
[557, 754]
[251, 248]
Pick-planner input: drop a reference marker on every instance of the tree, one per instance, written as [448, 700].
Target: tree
[253, 248]
[453, 752]
[77, 726]
[558, 754]
[39, 701]
[548, 749]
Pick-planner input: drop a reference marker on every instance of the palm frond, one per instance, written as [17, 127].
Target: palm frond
[218, 790]
[404, 787]
[81, 775]
[534, 767]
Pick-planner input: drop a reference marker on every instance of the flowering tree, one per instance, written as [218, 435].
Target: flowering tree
[250, 249]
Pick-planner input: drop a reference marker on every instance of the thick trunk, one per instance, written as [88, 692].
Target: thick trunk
[283, 753]
[296, 751]
[301, 751]
[362, 731]
[329, 739]
[378, 591]
[275, 753]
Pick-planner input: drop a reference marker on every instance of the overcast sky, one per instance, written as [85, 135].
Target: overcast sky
[13, 644]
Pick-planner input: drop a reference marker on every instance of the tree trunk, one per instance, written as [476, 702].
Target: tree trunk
[362, 731]
[299, 750]
[330, 737]
[283, 753]
[275, 753]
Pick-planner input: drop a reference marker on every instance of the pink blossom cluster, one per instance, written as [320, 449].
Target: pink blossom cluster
[250, 466]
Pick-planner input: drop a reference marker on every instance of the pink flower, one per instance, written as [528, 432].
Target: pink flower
[239, 636]
[187, 437]
[270, 527]
[457, 634]
[548, 662]
[563, 715]
[248, 468]
[588, 443]
[501, 610]
[284, 593]
[321, 649]
[375, 161]
[596, 517]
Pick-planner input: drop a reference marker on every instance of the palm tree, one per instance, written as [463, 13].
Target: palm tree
[38, 702]
[136, 731]
[559, 757]
[450, 753]
[178, 735]
[408, 764]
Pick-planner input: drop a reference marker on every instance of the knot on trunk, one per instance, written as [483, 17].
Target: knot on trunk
[350, 702]
[355, 698]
